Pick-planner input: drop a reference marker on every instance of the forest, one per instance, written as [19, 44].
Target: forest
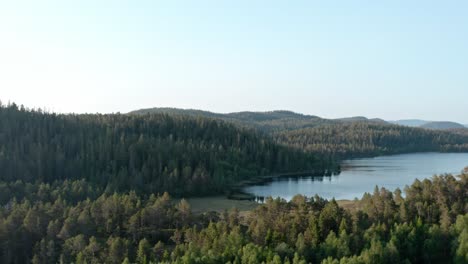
[106, 188]
[72, 222]
[337, 138]
[149, 154]
[368, 139]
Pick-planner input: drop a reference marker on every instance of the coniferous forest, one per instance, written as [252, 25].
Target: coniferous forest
[367, 139]
[72, 222]
[149, 154]
[337, 138]
[96, 188]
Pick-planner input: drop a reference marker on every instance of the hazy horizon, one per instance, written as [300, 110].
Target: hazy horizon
[398, 60]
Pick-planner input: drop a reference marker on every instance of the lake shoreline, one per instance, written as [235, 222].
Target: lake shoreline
[236, 192]
[357, 176]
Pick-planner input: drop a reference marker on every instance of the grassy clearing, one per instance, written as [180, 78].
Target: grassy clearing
[350, 205]
[219, 204]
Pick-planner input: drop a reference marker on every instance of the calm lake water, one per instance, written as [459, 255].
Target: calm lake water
[362, 175]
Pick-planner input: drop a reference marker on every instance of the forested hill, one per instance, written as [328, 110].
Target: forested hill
[152, 153]
[269, 122]
[443, 125]
[437, 125]
[338, 138]
[361, 139]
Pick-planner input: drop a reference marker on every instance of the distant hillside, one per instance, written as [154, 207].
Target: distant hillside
[265, 121]
[443, 125]
[271, 121]
[437, 125]
[361, 119]
[410, 122]
[245, 115]
[357, 139]
[177, 111]
[344, 137]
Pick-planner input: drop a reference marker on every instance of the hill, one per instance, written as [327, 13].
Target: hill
[151, 153]
[442, 125]
[246, 116]
[361, 119]
[263, 121]
[177, 111]
[438, 125]
[271, 121]
[344, 137]
[410, 122]
[357, 139]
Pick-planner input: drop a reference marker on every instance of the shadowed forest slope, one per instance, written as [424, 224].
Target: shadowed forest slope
[150, 154]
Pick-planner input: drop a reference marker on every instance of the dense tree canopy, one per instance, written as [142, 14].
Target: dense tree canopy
[149, 154]
[357, 139]
[427, 225]
[339, 138]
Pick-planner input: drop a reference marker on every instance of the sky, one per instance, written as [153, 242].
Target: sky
[387, 59]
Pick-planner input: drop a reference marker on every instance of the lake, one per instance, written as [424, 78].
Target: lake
[362, 175]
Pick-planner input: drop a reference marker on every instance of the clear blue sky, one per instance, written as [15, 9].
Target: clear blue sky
[398, 59]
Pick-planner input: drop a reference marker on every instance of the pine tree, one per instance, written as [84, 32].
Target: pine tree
[143, 251]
